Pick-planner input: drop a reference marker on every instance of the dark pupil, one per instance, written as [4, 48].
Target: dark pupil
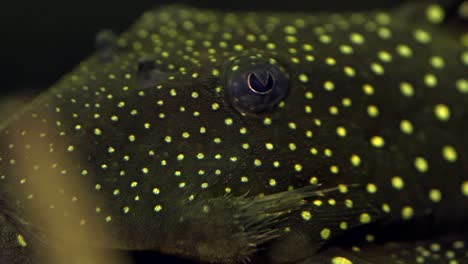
[260, 85]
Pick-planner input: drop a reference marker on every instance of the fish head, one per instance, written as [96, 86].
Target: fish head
[190, 132]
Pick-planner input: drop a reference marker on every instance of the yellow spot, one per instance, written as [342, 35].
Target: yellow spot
[406, 89]
[185, 134]
[340, 260]
[307, 47]
[276, 164]
[290, 30]
[464, 188]
[346, 102]
[430, 80]
[398, 183]
[298, 167]
[97, 131]
[342, 188]
[386, 208]
[421, 164]
[368, 89]
[355, 160]
[462, 86]
[377, 141]
[383, 18]
[309, 57]
[317, 203]
[384, 56]
[422, 36]
[345, 49]
[269, 146]
[349, 203]
[215, 72]
[407, 212]
[228, 121]
[257, 162]
[435, 247]
[158, 208]
[329, 86]
[271, 46]
[309, 95]
[238, 47]
[384, 33]
[370, 238]
[313, 180]
[244, 179]
[464, 58]
[435, 195]
[334, 169]
[464, 39]
[435, 14]
[442, 112]
[334, 110]
[292, 125]
[313, 151]
[21, 240]
[291, 39]
[357, 38]
[330, 61]
[404, 51]
[349, 71]
[341, 131]
[365, 218]
[449, 153]
[272, 182]
[371, 188]
[437, 62]
[215, 106]
[372, 111]
[303, 78]
[325, 233]
[306, 215]
[156, 191]
[377, 68]
[343, 225]
[406, 127]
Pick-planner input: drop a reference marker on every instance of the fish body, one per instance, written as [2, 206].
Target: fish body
[224, 137]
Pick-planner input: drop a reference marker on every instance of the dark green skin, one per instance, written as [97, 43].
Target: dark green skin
[287, 213]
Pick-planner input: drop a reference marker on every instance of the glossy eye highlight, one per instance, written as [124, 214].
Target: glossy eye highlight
[254, 84]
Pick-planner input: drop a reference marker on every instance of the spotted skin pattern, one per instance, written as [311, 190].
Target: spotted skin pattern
[373, 131]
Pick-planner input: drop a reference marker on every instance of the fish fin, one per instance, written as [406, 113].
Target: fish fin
[322, 221]
[433, 251]
[232, 228]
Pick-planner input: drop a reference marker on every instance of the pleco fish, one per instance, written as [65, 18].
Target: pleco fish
[270, 137]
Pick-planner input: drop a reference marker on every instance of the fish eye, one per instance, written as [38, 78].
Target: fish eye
[254, 84]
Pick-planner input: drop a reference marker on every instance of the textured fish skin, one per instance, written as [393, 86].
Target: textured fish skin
[141, 149]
